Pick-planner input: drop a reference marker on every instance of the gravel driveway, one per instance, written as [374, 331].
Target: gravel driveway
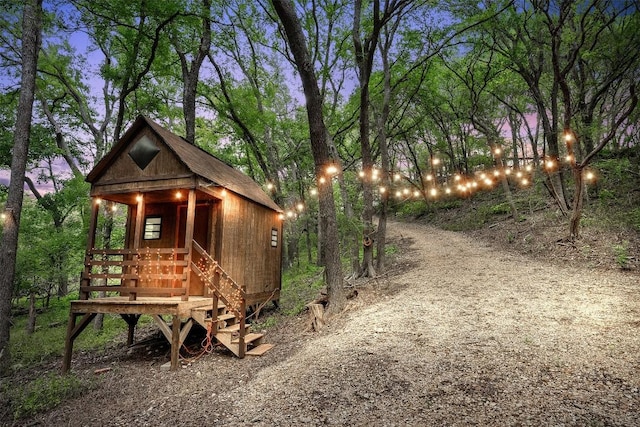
[455, 334]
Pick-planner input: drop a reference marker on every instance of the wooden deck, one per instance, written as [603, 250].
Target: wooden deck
[142, 305]
[130, 311]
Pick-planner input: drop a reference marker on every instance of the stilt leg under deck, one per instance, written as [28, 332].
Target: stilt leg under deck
[175, 335]
[132, 321]
[73, 331]
[175, 343]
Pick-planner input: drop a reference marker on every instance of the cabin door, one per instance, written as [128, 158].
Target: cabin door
[201, 235]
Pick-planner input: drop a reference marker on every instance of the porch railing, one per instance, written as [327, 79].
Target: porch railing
[136, 272]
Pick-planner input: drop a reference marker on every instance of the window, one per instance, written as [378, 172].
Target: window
[274, 237]
[152, 227]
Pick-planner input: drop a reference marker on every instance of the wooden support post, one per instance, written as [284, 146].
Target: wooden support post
[73, 331]
[175, 335]
[132, 321]
[91, 241]
[175, 342]
[188, 238]
[137, 234]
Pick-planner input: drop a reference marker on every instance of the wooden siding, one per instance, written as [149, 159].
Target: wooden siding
[246, 253]
[124, 170]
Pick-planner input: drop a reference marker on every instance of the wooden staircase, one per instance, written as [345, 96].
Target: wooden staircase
[226, 319]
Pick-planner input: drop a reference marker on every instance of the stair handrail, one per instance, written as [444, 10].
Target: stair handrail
[225, 288]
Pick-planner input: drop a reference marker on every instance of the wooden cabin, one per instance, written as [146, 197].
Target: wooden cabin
[202, 242]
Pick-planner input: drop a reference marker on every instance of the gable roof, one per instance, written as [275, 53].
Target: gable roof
[197, 160]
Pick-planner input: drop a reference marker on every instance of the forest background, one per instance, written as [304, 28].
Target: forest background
[425, 106]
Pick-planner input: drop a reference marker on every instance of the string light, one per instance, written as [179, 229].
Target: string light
[549, 164]
[270, 186]
[139, 198]
[332, 169]
[178, 195]
[465, 186]
[98, 201]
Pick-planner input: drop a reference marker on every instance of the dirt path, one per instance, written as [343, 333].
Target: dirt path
[464, 336]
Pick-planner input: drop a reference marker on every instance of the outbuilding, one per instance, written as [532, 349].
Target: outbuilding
[202, 241]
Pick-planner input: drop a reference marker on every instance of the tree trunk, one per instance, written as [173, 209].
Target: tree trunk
[318, 135]
[31, 324]
[578, 198]
[31, 29]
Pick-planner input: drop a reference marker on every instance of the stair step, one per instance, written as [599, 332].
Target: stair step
[227, 316]
[249, 338]
[259, 350]
[233, 328]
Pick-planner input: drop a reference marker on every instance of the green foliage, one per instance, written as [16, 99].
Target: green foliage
[634, 218]
[622, 254]
[48, 339]
[500, 209]
[413, 209]
[605, 195]
[300, 285]
[44, 393]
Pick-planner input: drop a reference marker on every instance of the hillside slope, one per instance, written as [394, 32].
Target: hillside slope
[457, 333]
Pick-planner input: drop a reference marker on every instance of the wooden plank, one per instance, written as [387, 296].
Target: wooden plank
[142, 251]
[146, 308]
[140, 262]
[137, 231]
[188, 238]
[185, 330]
[249, 338]
[175, 343]
[138, 291]
[259, 350]
[73, 330]
[143, 276]
[164, 328]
